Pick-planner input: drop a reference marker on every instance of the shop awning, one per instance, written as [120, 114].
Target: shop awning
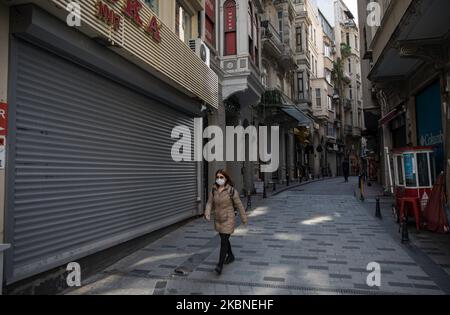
[301, 117]
[412, 42]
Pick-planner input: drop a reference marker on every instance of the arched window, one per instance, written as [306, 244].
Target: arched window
[230, 28]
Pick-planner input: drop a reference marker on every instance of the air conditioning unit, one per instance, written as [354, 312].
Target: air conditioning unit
[200, 48]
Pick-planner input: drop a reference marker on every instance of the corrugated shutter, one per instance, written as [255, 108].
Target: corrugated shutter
[93, 164]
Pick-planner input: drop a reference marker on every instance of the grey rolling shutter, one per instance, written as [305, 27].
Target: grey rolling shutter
[92, 165]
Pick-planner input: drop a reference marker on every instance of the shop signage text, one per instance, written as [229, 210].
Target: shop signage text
[131, 10]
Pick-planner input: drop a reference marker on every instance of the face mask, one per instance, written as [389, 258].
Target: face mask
[220, 182]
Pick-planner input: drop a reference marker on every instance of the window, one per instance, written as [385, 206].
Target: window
[327, 51]
[299, 39]
[348, 39]
[318, 98]
[350, 92]
[256, 30]
[280, 24]
[230, 28]
[328, 76]
[264, 77]
[300, 86]
[410, 171]
[356, 42]
[422, 168]
[153, 5]
[183, 23]
[401, 179]
[349, 66]
[210, 22]
[315, 39]
[251, 35]
[329, 103]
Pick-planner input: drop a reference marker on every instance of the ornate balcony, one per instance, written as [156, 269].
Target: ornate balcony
[271, 38]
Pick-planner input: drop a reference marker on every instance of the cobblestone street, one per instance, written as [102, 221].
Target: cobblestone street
[313, 239]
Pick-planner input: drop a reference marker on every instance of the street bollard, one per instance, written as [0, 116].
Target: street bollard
[287, 181]
[405, 234]
[265, 192]
[249, 203]
[378, 209]
[274, 186]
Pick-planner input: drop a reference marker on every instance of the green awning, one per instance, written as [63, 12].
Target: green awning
[301, 117]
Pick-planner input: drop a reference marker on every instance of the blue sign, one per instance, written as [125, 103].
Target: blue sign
[429, 122]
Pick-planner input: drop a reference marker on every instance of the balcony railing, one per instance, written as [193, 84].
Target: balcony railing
[272, 35]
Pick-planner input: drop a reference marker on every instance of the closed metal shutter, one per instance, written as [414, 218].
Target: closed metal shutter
[91, 164]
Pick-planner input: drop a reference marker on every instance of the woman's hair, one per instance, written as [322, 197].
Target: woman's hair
[227, 176]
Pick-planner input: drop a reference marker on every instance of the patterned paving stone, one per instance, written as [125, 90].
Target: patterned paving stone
[315, 240]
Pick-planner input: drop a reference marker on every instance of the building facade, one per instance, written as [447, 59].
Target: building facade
[92, 110]
[351, 108]
[407, 50]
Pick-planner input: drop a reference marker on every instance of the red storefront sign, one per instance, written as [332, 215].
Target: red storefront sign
[3, 119]
[130, 10]
[108, 15]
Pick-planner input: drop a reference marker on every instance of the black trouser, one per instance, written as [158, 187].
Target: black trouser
[225, 248]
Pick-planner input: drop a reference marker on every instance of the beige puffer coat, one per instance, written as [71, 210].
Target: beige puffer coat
[225, 219]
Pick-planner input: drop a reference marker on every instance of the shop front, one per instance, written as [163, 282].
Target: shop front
[430, 131]
[89, 162]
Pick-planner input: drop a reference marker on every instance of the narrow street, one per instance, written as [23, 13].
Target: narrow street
[313, 239]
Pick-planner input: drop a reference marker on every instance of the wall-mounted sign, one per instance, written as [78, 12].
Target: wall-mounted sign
[430, 131]
[3, 119]
[108, 15]
[130, 10]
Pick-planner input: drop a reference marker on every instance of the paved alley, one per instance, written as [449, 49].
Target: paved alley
[313, 239]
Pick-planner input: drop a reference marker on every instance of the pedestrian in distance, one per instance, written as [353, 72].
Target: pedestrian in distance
[224, 199]
[346, 169]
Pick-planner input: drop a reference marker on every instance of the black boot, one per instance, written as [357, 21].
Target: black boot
[218, 270]
[229, 259]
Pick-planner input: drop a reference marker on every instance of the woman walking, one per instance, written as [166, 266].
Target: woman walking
[224, 199]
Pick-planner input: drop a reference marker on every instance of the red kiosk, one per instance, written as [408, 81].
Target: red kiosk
[414, 174]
